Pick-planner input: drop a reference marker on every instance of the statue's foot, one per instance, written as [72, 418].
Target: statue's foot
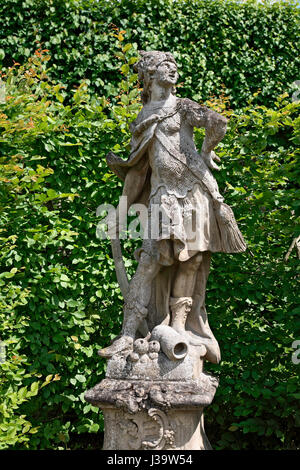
[118, 346]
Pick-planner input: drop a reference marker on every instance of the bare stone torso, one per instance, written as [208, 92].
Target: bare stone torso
[168, 171]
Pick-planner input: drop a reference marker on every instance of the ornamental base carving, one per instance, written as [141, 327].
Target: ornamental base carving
[154, 430]
[157, 415]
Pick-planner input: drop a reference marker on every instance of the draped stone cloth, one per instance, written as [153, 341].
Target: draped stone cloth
[178, 183]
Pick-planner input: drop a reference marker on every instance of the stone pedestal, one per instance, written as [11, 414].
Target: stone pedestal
[157, 415]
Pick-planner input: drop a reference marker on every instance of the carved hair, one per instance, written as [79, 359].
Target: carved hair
[147, 66]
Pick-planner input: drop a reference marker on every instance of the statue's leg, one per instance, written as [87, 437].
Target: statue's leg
[183, 290]
[184, 283]
[198, 319]
[138, 297]
[136, 302]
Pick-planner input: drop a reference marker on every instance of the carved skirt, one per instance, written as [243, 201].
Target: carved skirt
[178, 228]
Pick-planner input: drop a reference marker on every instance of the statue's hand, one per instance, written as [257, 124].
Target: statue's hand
[153, 118]
[209, 158]
[146, 123]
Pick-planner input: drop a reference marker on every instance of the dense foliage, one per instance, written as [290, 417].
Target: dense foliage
[253, 297]
[59, 299]
[245, 45]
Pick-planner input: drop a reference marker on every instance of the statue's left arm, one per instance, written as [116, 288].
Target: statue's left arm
[215, 128]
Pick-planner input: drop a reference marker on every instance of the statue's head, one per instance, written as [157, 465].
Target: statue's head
[159, 66]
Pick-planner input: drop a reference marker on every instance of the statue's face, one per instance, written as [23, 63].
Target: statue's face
[166, 73]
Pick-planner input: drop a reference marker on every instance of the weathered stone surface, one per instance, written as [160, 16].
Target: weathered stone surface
[155, 430]
[155, 388]
[154, 415]
[181, 209]
[149, 363]
[136, 395]
[172, 343]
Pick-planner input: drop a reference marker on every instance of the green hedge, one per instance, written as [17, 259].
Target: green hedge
[59, 299]
[244, 46]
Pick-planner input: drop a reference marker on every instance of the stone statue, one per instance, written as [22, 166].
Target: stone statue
[165, 335]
